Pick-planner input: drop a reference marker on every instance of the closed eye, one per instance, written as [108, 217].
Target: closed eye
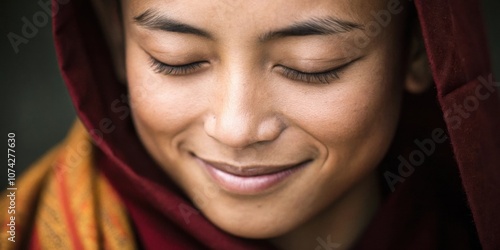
[324, 77]
[167, 69]
[313, 77]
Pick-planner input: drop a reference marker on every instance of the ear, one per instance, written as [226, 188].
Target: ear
[109, 15]
[419, 75]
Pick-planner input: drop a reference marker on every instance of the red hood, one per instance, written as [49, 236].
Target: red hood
[462, 178]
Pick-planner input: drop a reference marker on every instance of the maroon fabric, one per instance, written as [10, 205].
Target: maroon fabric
[458, 54]
[430, 210]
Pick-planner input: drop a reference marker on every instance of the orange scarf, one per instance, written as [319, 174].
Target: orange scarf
[64, 202]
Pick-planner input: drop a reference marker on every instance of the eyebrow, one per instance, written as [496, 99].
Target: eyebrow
[314, 26]
[152, 20]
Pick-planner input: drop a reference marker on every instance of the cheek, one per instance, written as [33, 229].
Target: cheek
[349, 114]
[163, 112]
[158, 105]
[354, 121]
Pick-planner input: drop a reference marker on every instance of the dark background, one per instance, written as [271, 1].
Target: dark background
[34, 102]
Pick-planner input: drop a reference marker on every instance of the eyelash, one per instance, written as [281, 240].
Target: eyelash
[309, 77]
[312, 77]
[163, 68]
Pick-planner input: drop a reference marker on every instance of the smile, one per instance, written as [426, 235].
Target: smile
[250, 179]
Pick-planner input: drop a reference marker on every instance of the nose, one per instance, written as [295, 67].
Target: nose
[242, 113]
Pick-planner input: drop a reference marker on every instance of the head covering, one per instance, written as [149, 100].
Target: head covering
[451, 201]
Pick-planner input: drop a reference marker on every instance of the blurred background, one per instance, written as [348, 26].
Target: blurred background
[34, 102]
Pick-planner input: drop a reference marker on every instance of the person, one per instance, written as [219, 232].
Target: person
[269, 125]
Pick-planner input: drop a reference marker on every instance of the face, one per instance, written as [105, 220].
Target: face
[264, 112]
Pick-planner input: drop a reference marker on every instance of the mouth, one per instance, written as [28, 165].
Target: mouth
[249, 180]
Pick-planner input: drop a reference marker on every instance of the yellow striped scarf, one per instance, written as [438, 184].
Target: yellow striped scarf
[64, 202]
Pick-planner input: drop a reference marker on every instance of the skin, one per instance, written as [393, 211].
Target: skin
[240, 108]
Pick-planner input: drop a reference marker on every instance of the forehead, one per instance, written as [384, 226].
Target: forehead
[255, 14]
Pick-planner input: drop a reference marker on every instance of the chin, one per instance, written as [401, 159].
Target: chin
[251, 229]
[253, 219]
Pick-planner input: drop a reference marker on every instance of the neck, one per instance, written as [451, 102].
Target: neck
[339, 225]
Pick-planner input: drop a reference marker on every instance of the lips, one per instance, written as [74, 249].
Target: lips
[252, 179]
[249, 171]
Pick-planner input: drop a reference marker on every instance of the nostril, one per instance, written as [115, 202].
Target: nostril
[270, 129]
[240, 131]
[209, 126]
